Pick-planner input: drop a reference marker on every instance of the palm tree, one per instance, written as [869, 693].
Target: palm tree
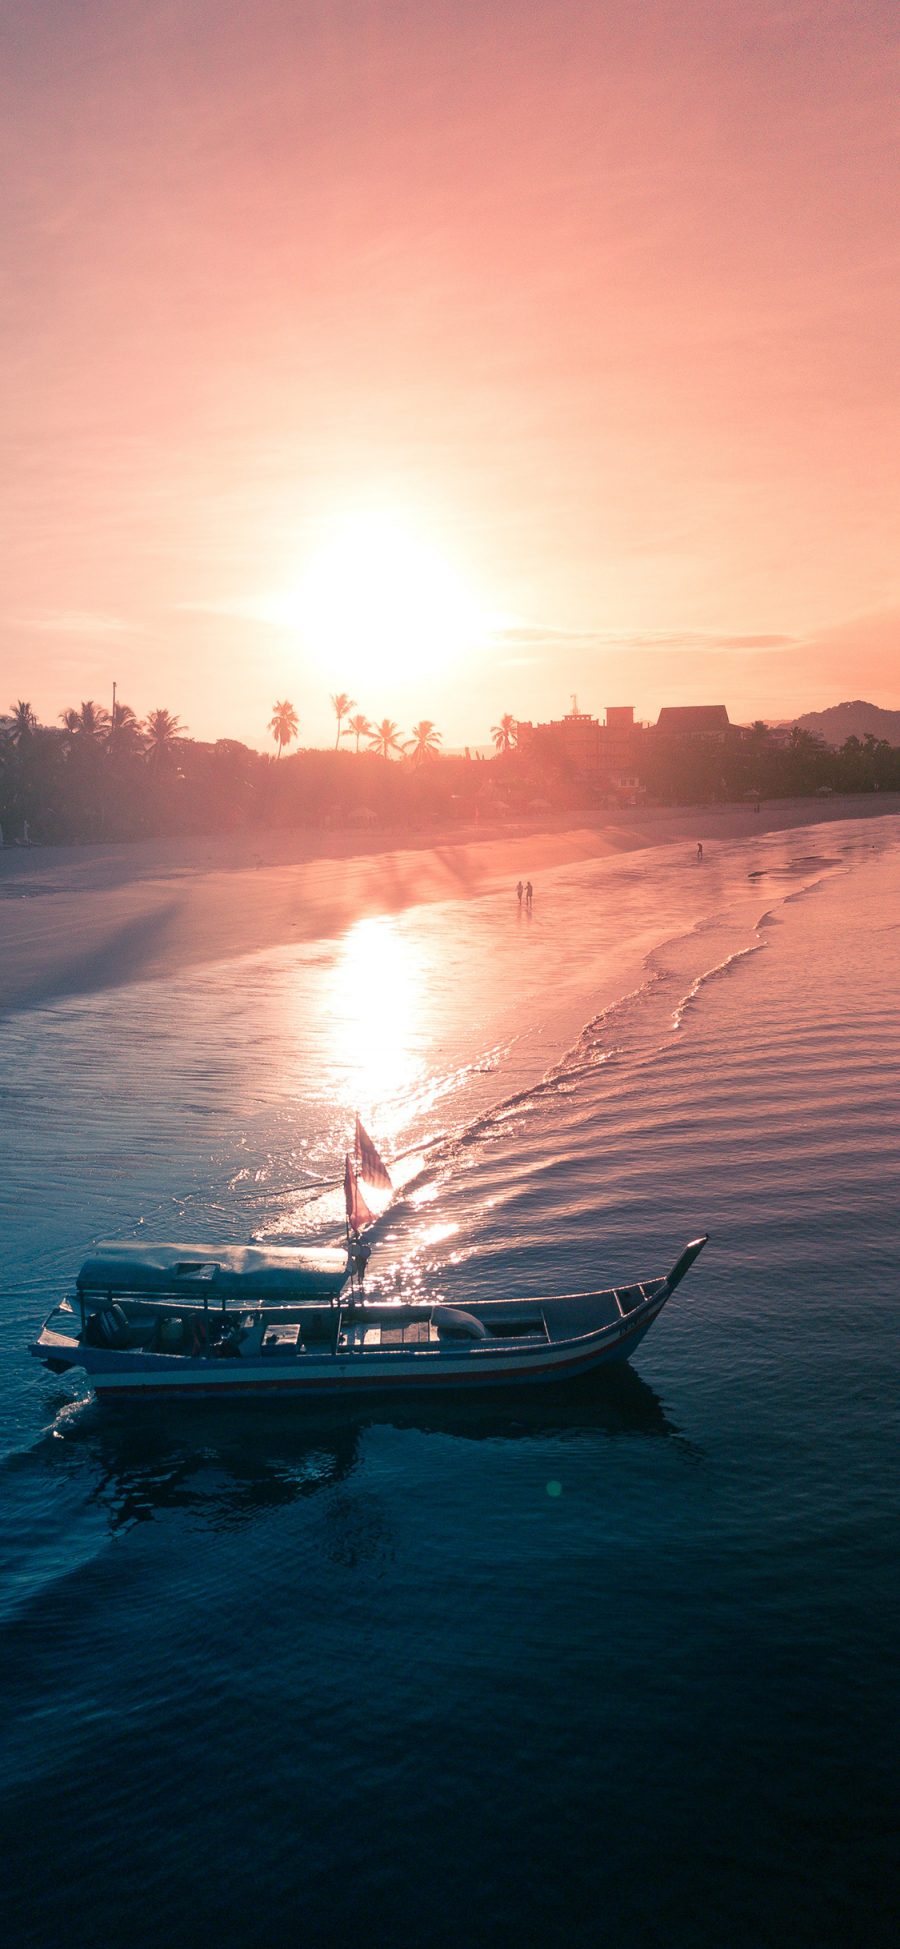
[20, 723]
[504, 733]
[162, 734]
[124, 731]
[384, 737]
[283, 724]
[87, 724]
[424, 741]
[357, 727]
[341, 705]
[803, 740]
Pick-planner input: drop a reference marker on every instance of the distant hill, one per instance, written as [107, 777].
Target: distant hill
[844, 721]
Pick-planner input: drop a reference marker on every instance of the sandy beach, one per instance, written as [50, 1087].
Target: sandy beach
[77, 919]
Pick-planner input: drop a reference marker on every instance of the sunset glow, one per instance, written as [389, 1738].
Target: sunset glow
[379, 604]
[336, 331]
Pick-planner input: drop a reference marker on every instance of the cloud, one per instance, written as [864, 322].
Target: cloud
[545, 633]
[78, 622]
[547, 636]
[758, 674]
[247, 608]
[700, 639]
[274, 611]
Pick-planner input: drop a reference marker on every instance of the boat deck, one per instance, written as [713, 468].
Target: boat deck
[360, 1337]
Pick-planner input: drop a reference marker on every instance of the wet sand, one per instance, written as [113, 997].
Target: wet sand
[81, 918]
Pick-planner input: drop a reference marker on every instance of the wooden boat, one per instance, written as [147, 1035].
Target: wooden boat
[177, 1320]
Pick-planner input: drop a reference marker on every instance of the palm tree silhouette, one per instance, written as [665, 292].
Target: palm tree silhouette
[341, 704]
[283, 724]
[87, 724]
[504, 733]
[424, 741]
[384, 737]
[162, 734]
[357, 727]
[20, 723]
[123, 731]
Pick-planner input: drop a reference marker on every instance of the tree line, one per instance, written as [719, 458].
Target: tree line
[107, 775]
[104, 775]
[760, 763]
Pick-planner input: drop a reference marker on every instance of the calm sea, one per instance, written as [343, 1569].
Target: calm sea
[609, 1665]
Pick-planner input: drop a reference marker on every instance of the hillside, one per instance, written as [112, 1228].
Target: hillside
[844, 721]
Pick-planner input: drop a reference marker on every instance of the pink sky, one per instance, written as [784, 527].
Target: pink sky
[601, 298]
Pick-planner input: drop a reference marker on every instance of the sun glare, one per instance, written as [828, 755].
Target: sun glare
[377, 599]
[375, 1017]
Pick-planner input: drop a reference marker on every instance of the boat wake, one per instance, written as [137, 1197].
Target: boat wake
[637, 1028]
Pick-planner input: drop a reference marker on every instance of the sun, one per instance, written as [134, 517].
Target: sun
[377, 599]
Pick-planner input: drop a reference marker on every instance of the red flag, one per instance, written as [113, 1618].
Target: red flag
[358, 1213]
[371, 1166]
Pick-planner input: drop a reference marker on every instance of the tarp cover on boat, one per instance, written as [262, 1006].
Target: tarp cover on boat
[241, 1272]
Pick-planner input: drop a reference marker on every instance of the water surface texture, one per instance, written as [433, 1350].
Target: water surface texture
[607, 1664]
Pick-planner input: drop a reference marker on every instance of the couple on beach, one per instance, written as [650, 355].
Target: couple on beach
[528, 891]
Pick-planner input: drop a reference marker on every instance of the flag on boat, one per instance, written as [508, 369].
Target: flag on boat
[358, 1213]
[368, 1162]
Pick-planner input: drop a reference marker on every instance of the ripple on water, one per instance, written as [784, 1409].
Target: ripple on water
[315, 1653]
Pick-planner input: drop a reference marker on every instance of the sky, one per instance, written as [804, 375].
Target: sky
[465, 357]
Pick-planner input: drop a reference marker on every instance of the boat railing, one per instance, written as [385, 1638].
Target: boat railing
[629, 1298]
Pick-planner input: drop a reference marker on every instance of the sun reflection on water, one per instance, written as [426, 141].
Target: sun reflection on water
[376, 1016]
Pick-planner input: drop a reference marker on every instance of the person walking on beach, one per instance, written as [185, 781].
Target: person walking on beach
[529, 895]
[699, 849]
[519, 891]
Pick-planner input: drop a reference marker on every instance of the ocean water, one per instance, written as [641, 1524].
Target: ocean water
[611, 1663]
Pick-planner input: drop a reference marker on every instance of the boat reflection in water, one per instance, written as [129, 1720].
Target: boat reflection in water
[613, 1402]
[227, 1465]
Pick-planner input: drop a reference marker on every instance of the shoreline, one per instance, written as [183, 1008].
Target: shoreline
[75, 920]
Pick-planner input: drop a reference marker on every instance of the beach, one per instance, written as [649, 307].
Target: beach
[611, 1651]
[74, 919]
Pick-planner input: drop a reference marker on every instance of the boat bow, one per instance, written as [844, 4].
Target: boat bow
[683, 1265]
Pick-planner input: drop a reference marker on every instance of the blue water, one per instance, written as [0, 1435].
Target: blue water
[610, 1664]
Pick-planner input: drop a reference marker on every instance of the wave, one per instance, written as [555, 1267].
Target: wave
[712, 974]
[639, 1025]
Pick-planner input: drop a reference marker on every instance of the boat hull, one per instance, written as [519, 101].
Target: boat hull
[313, 1377]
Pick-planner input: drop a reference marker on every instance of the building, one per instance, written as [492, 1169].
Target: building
[621, 747]
[691, 723]
[606, 754]
[573, 738]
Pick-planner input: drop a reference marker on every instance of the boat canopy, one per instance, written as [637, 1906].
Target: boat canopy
[193, 1272]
